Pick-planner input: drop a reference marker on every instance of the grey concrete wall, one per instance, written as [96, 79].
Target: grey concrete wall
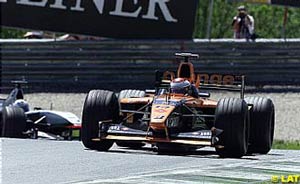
[50, 65]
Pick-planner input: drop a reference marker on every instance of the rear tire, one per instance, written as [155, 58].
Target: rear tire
[14, 122]
[231, 116]
[99, 106]
[262, 121]
[130, 93]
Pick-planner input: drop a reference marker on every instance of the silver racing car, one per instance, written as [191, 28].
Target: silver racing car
[18, 121]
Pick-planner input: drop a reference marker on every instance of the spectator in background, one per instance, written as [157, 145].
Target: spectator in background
[243, 25]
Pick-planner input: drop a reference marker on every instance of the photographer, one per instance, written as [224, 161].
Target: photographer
[243, 25]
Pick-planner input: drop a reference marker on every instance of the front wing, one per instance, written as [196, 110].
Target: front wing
[123, 133]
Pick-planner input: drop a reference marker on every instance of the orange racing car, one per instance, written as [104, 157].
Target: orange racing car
[180, 116]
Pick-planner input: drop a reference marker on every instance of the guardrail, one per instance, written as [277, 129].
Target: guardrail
[50, 65]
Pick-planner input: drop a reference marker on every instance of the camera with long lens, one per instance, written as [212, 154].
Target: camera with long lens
[242, 15]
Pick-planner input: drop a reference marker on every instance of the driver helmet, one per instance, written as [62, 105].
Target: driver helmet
[21, 104]
[180, 86]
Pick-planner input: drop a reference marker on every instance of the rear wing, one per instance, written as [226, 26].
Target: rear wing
[205, 81]
[221, 82]
[16, 93]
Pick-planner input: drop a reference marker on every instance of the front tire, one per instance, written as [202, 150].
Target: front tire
[231, 116]
[99, 106]
[262, 121]
[14, 122]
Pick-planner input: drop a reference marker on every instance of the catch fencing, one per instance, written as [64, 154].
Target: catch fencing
[65, 66]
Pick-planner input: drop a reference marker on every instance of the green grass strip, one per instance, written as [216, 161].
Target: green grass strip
[287, 145]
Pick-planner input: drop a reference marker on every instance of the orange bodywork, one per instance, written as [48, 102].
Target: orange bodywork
[163, 106]
[159, 115]
[161, 111]
[143, 100]
[186, 71]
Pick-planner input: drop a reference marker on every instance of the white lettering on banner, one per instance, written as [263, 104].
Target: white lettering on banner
[77, 6]
[58, 4]
[118, 11]
[99, 5]
[41, 3]
[153, 7]
[164, 9]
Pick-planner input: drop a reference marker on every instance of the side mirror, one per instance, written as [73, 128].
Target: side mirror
[204, 94]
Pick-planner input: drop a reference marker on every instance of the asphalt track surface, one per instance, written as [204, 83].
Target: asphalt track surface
[68, 162]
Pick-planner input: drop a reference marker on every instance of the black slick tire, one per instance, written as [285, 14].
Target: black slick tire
[262, 121]
[231, 116]
[99, 105]
[14, 122]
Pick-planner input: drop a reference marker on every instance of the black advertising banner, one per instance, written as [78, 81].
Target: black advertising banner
[106, 18]
[294, 3]
[286, 2]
